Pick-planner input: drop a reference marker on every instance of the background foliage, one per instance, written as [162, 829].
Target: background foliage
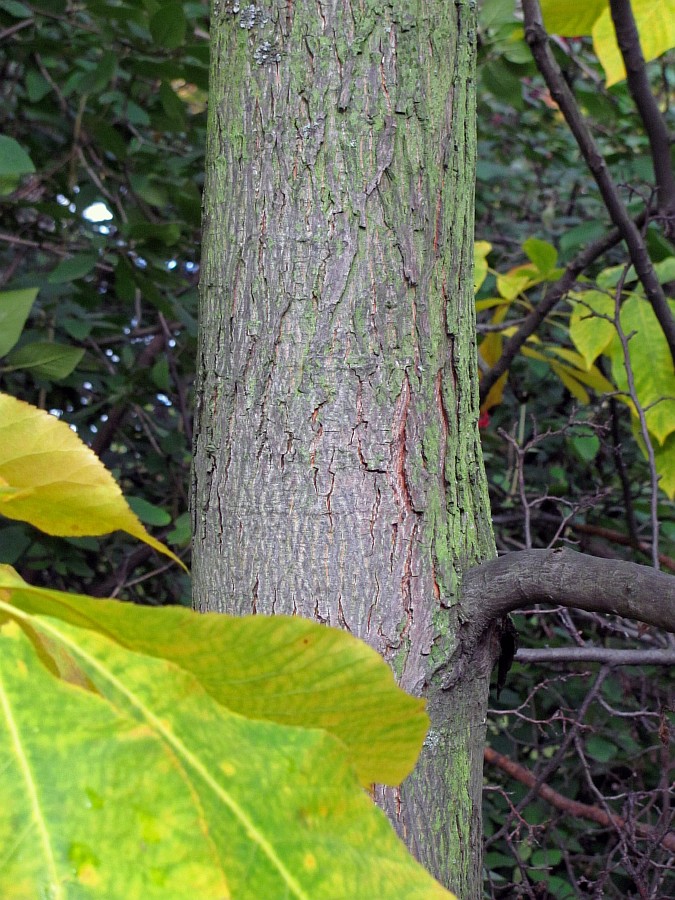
[101, 157]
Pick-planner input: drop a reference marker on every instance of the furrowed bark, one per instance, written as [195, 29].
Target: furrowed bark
[338, 471]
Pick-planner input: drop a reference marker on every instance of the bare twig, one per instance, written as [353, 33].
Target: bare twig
[571, 807]
[538, 783]
[8, 32]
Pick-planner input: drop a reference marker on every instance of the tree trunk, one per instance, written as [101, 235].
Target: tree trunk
[338, 472]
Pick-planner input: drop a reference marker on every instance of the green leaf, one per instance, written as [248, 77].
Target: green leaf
[148, 190]
[542, 254]
[148, 513]
[665, 270]
[180, 534]
[167, 25]
[281, 669]
[586, 446]
[103, 74]
[46, 359]
[493, 13]
[14, 163]
[575, 238]
[13, 158]
[514, 282]
[502, 83]
[172, 105]
[160, 374]
[166, 233]
[145, 760]
[37, 86]
[14, 541]
[600, 749]
[14, 309]
[547, 857]
[72, 268]
[18, 10]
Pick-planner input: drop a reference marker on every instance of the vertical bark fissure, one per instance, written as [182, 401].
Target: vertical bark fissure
[337, 461]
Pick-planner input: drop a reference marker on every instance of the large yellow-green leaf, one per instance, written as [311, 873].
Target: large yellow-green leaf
[591, 325]
[129, 781]
[651, 363]
[285, 669]
[655, 21]
[50, 478]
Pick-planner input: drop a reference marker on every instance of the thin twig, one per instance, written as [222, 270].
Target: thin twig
[608, 656]
[570, 807]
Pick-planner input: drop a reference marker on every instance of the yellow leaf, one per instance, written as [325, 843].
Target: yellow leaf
[490, 303]
[480, 266]
[655, 20]
[574, 359]
[56, 482]
[571, 19]
[517, 280]
[594, 379]
[572, 385]
[656, 25]
[590, 329]
[495, 394]
[534, 354]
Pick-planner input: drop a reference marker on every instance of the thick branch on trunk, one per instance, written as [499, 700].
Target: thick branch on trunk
[570, 579]
[559, 577]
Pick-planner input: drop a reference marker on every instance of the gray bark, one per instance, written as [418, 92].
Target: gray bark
[337, 470]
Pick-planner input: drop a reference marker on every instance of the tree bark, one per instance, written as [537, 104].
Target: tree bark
[338, 472]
